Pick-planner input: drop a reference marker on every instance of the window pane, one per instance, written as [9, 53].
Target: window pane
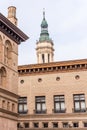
[62, 105]
[25, 107]
[57, 106]
[20, 108]
[77, 105]
[38, 106]
[76, 97]
[83, 105]
[56, 98]
[43, 106]
[82, 97]
[22, 100]
[59, 98]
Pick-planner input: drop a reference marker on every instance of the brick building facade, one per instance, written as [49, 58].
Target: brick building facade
[10, 38]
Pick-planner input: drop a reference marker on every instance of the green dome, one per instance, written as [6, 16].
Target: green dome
[44, 35]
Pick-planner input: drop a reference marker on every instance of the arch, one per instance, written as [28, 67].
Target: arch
[3, 70]
[1, 48]
[8, 105]
[3, 76]
[13, 107]
[3, 104]
[8, 49]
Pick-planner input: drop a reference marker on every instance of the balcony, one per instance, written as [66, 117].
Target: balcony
[40, 111]
[23, 112]
[59, 111]
[79, 110]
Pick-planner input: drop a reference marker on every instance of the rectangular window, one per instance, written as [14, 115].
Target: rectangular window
[22, 105]
[75, 124]
[65, 125]
[45, 125]
[26, 125]
[36, 125]
[55, 124]
[79, 103]
[40, 104]
[18, 125]
[59, 104]
[85, 124]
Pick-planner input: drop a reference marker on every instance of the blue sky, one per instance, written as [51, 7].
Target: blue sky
[67, 25]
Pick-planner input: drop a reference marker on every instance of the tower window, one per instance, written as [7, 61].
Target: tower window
[48, 58]
[43, 58]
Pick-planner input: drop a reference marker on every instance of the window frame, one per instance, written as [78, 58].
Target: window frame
[75, 124]
[55, 124]
[59, 100]
[79, 98]
[45, 124]
[40, 100]
[23, 102]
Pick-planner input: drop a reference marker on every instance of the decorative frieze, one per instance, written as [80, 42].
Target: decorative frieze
[52, 68]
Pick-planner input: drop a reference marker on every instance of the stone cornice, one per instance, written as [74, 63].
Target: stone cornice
[53, 67]
[6, 98]
[51, 116]
[44, 47]
[8, 112]
[11, 30]
[7, 92]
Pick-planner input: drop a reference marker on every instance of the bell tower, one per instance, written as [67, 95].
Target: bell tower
[44, 47]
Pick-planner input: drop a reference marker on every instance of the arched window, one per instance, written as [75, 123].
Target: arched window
[13, 107]
[3, 77]
[1, 48]
[8, 105]
[7, 51]
[3, 103]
